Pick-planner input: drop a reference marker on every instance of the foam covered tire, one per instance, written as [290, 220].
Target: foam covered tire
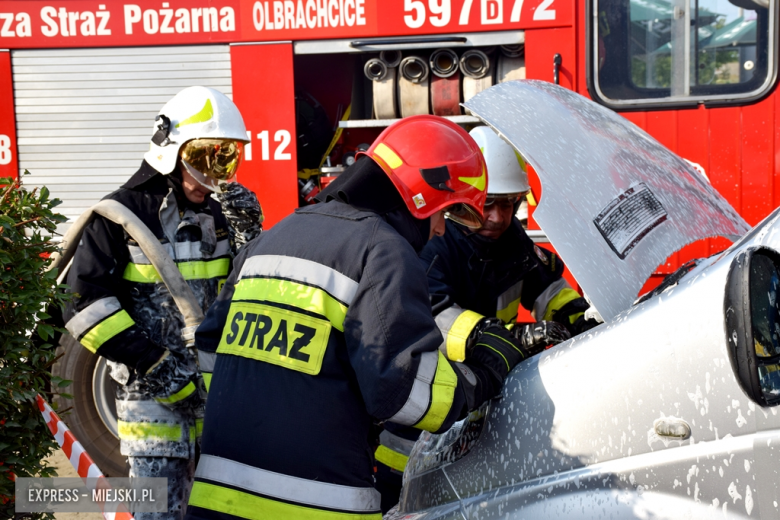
[92, 408]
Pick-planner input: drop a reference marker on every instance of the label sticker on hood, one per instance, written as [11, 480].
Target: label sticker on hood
[629, 218]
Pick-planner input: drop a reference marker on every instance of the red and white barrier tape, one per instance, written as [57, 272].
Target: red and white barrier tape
[77, 455]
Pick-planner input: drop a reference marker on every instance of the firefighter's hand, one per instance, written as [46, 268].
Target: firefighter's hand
[497, 349]
[243, 213]
[173, 381]
[535, 337]
[581, 325]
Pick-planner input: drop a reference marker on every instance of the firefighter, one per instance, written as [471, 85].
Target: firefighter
[122, 310]
[324, 327]
[487, 274]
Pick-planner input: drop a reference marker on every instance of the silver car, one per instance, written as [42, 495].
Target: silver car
[666, 410]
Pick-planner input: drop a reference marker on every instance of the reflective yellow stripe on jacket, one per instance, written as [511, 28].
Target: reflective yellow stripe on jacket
[294, 294]
[430, 399]
[143, 431]
[243, 491]
[393, 451]
[456, 325]
[509, 303]
[197, 270]
[557, 294]
[206, 362]
[442, 394]
[391, 458]
[299, 283]
[106, 330]
[99, 322]
[178, 396]
[261, 324]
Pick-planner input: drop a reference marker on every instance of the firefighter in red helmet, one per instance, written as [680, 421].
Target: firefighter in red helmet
[324, 329]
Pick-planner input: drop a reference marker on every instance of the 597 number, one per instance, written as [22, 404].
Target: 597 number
[439, 12]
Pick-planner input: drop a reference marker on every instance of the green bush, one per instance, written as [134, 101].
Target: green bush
[26, 289]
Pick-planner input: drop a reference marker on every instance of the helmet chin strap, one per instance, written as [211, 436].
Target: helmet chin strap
[204, 180]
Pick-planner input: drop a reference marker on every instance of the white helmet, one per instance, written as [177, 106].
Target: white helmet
[506, 168]
[193, 113]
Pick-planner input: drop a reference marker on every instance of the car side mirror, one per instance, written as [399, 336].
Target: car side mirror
[752, 309]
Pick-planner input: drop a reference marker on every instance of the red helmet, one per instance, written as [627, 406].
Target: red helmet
[434, 164]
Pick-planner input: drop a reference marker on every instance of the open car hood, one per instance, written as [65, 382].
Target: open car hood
[616, 203]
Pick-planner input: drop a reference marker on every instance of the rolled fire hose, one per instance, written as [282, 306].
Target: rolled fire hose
[477, 73]
[510, 68]
[391, 58]
[413, 86]
[383, 80]
[513, 51]
[119, 214]
[445, 83]
[444, 63]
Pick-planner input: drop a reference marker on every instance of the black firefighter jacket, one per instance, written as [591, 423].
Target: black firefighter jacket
[324, 327]
[471, 278]
[491, 278]
[125, 313]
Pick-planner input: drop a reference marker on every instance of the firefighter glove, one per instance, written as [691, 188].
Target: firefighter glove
[174, 382]
[581, 325]
[535, 337]
[574, 316]
[243, 213]
[498, 349]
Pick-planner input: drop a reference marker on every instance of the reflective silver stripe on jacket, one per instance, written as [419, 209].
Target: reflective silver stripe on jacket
[420, 397]
[180, 251]
[544, 299]
[444, 321]
[338, 285]
[396, 443]
[143, 411]
[509, 296]
[285, 487]
[206, 361]
[93, 314]
[446, 318]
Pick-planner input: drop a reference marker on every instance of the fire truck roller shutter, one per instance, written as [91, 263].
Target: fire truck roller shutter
[84, 116]
[445, 83]
[84, 121]
[413, 82]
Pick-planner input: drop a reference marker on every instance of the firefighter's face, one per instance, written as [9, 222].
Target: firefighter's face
[193, 190]
[498, 216]
[437, 225]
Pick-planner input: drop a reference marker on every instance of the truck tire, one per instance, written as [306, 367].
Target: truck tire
[92, 414]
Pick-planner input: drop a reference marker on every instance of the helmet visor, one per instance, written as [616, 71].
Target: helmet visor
[502, 201]
[464, 215]
[215, 158]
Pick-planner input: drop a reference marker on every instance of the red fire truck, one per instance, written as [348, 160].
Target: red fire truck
[81, 82]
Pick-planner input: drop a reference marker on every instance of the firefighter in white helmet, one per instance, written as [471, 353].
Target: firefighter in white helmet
[482, 277]
[124, 312]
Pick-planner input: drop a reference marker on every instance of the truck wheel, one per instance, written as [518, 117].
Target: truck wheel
[92, 414]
